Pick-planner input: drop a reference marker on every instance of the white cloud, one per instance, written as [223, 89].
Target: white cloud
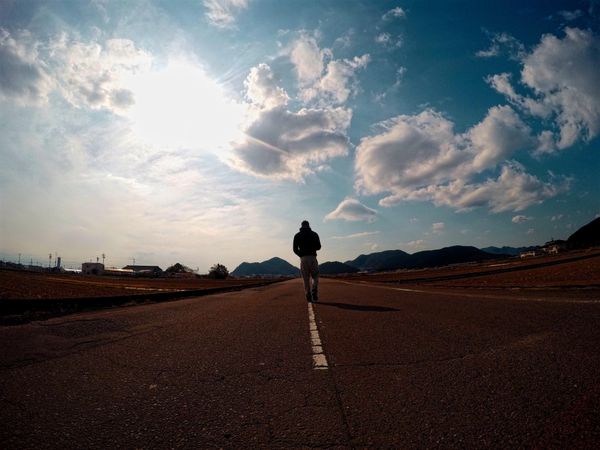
[337, 84]
[283, 144]
[502, 84]
[513, 190]
[570, 15]
[93, 75]
[520, 219]
[564, 78]
[308, 59]
[396, 12]
[530, 231]
[383, 38]
[262, 89]
[420, 157]
[438, 227]
[320, 76]
[416, 244]
[87, 74]
[556, 217]
[222, 13]
[497, 136]
[503, 43]
[387, 40]
[400, 72]
[352, 210]
[23, 76]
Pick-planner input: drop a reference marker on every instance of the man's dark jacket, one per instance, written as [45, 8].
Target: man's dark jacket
[306, 242]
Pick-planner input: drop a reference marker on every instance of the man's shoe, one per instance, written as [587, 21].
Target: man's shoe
[309, 298]
[315, 297]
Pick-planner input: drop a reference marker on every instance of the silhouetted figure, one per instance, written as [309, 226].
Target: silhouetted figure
[306, 244]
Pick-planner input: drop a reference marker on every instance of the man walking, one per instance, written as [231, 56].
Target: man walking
[306, 244]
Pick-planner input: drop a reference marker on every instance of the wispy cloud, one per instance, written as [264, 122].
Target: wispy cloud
[521, 219]
[394, 13]
[223, 13]
[438, 227]
[356, 235]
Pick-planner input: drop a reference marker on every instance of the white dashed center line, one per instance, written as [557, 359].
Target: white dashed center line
[319, 358]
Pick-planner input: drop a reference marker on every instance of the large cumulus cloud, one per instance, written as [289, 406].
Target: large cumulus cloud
[283, 144]
[421, 157]
[563, 81]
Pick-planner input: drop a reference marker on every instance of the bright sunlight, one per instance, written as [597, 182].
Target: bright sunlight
[180, 106]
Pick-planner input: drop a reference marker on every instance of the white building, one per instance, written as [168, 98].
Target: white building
[92, 268]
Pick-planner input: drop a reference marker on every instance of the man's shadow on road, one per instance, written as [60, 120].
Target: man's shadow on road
[350, 306]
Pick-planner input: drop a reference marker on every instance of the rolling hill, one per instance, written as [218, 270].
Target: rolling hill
[386, 260]
[335, 268]
[271, 267]
[587, 236]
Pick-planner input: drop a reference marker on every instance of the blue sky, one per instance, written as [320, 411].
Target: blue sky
[205, 131]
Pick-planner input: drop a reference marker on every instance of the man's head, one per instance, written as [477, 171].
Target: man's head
[305, 224]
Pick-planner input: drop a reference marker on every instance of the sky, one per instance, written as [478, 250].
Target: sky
[205, 131]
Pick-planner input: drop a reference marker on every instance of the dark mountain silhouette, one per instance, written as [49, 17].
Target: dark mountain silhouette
[386, 260]
[587, 236]
[335, 268]
[272, 267]
[509, 251]
[448, 255]
[397, 259]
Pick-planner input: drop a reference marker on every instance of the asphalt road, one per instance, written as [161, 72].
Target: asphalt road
[405, 369]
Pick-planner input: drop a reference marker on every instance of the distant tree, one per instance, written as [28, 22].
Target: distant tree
[218, 271]
[179, 268]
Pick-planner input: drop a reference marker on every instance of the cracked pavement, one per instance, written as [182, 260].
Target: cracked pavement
[407, 369]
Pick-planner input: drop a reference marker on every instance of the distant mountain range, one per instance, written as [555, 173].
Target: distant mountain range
[586, 236]
[397, 259]
[511, 251]
[271, 267]
[380, 261]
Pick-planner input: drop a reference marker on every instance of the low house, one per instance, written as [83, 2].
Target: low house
[92, 268]
[528, 254]
[554, 247]
[152, 271]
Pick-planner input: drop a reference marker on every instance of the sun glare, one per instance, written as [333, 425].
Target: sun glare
[180, 106]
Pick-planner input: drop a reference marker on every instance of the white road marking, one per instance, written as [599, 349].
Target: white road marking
[463, 294]
[319, 358]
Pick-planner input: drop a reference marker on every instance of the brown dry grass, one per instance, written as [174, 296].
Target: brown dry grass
[21, 284]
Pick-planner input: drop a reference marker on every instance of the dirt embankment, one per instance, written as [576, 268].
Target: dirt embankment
[35, 285]
[576, 270]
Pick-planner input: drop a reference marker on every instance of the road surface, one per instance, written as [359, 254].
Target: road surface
[395, 368]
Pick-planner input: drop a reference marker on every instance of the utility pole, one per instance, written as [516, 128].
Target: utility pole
[19, 259]
[49, 260]
[103, 256]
